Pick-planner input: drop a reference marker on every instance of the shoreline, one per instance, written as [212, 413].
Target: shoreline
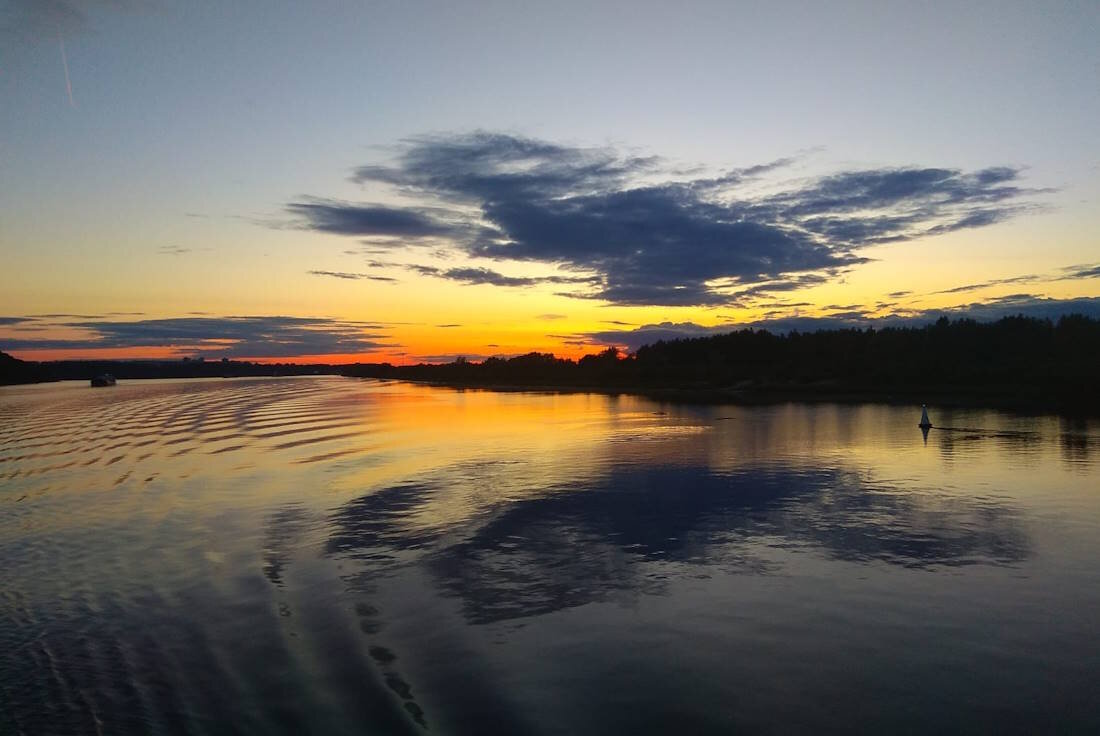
[779, 395]
[1020, 399]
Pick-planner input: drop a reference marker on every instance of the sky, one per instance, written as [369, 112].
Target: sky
[413, 181]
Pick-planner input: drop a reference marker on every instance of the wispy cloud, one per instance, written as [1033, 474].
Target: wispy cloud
[699, 241]
[352, 276]
[1028, 279]
[1067, 273]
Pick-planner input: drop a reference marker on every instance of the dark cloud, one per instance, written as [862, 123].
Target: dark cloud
[475, 276]
[654, 245]
[173, 250]
[988, 310]
[550, 316]
[701, 241]
[450, 325]
[352, 276]
[898, 294]
[254, 337]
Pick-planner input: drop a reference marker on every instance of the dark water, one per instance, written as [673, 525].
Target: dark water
[330, 556]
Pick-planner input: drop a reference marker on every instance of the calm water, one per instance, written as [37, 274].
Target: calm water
[331, 556]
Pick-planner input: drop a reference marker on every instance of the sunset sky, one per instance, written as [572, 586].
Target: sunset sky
[410, 181]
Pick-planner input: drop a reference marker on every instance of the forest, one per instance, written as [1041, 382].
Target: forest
[1018, 361]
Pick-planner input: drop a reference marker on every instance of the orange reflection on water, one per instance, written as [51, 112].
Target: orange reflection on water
[241, 442]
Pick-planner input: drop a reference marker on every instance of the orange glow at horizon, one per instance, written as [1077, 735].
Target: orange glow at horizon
[171, 355]
[427, 322]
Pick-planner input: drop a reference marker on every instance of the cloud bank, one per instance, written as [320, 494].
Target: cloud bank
[1026, 304]
[251, 337]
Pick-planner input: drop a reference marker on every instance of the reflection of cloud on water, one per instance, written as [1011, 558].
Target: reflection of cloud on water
[375, 527]
[570, 549]
[615, 535]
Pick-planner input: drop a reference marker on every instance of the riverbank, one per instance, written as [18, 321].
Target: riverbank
[1019, 401]
[14, 371]
[1017, 363]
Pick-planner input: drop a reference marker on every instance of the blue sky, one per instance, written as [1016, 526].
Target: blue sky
[165, 185]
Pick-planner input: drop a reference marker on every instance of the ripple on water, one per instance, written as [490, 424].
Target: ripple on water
[149, 424]
[286, 555]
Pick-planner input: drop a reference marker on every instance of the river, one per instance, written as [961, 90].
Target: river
[337, 556]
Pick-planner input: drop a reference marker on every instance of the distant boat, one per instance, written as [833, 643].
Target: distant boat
[925, 422]
[105, 379]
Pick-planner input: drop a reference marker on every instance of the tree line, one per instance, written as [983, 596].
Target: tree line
[1019, 360]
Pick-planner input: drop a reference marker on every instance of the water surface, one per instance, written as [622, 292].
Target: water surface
[331, 556]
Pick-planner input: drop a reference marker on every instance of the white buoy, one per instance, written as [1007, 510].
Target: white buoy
[925, 422]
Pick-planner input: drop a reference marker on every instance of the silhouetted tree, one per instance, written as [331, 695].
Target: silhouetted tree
[1016, 359]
